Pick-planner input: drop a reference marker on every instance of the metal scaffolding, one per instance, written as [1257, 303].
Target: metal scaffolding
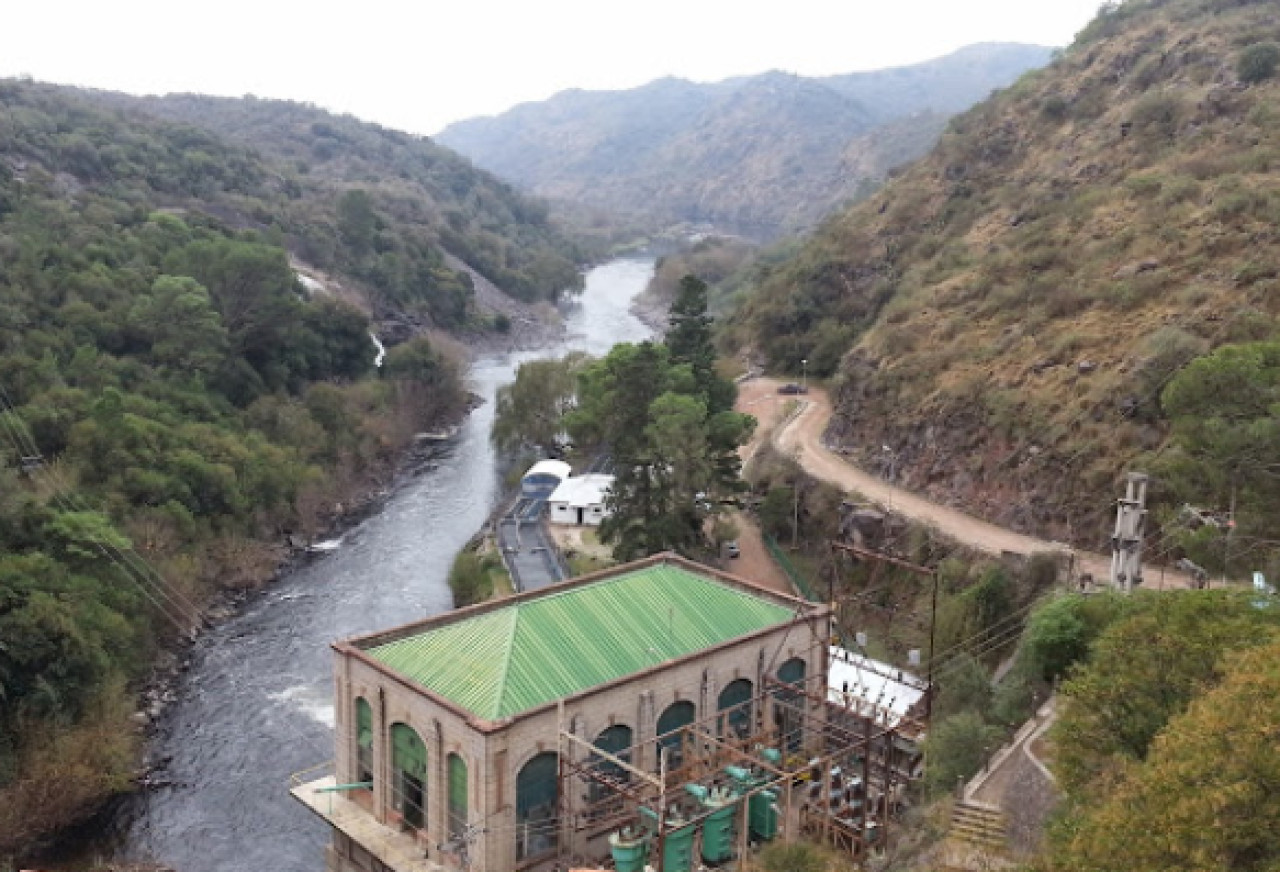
[789, 761]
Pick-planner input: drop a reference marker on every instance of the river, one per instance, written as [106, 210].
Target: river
[256, 704]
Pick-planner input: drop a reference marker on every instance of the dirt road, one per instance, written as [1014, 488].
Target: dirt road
[802, 438]
[754, 561]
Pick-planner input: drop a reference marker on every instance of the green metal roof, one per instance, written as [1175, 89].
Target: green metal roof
[516, 658]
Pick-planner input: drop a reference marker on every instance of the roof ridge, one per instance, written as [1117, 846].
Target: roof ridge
[501, 683]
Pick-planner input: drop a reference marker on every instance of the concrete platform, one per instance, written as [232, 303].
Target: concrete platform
[399, 851]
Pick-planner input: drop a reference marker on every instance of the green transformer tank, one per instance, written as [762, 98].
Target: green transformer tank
[717, 828]
[762, 808]
[762, 811]
[677, 849]
[630, 850]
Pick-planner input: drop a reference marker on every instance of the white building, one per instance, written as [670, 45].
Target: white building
[580, 500]
[543, 478]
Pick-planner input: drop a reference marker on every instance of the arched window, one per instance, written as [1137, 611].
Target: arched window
[364, 741]
[457, 796]
[792, 672]
[788, 711]
[615, 740]
[409, 776]
[678, 714]
[735, 701]
[537, 812]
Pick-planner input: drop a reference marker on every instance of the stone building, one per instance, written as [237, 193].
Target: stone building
[447, 729]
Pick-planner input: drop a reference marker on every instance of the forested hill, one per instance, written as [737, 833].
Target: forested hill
[169, 392]
[759, 155]
[1079, 279]
[411, 183]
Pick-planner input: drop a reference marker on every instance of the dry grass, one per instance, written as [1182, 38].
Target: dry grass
[1131, 187]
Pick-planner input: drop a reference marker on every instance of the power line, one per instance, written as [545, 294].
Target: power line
[127, 561]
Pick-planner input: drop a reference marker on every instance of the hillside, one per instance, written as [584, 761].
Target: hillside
[1009, 321]
[168, 390]
[409, 185]
[757, 155]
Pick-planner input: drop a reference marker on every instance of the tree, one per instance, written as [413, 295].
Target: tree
[180, 322]
[1207, 797]
[956, 748]
[255, 292]
[531, 410]
[668, 451]
[1226, 441]
[357, 221]
[1060, 632]
[967, 687]
[777, 512]
[689, 341]
[1143, 670]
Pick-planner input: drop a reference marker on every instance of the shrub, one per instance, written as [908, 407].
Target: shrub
[796, 857]
[1258, 62]
[1158, 113]
[470, 580]
[956, 748]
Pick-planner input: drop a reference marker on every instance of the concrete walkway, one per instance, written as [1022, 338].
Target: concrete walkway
[530, 556]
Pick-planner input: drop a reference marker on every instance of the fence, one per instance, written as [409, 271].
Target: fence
[798, 581]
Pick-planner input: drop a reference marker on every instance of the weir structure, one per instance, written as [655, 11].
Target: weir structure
[786, 763]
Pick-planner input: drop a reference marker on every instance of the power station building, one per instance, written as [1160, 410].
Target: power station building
[449, 730]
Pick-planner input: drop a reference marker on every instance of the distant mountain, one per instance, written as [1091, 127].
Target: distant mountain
[760, 155]
[1012, 314]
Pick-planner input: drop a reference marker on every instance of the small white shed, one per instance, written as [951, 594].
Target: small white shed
[580, 500]
[543, 478]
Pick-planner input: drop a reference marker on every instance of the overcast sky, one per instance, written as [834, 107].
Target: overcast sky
[419, 65]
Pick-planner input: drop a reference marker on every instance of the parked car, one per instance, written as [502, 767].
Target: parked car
[792, 388]
[731, 548]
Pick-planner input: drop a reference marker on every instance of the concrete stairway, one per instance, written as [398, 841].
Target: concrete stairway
[979, 825]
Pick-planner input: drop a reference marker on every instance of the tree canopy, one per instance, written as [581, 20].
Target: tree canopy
[167, 389]
[1207, 796]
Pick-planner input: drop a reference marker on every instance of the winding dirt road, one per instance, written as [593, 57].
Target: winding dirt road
[801, 437]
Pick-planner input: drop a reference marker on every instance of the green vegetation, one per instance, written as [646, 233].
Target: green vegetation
[1258, 62]
[795, 857]
[401, 200]
[714, 260]
[531, 410]
[1226, 446]
[168, 393]
[1209, 783]
[476, 576]
[957, 747]
[1169, 721]
[664, 414]
[1006, 314]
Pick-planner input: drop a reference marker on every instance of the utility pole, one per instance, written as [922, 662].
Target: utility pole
[868, 554]
[1126, 542]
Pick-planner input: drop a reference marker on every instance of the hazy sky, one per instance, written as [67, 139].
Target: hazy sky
[420, 65]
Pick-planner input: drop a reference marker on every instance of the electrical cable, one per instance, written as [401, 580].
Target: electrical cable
[141, 572]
